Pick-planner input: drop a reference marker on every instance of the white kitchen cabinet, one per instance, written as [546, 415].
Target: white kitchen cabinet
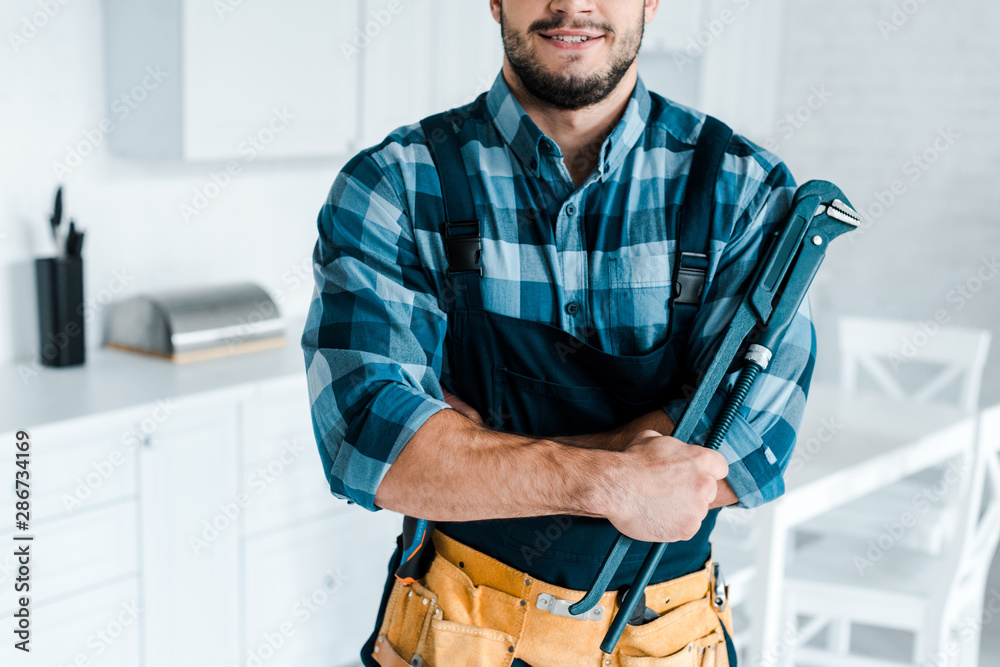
[83, 464]
[191, 528]
[233, 80]
[134, 560]
[79, 553]
[100, 628]
[431, 55]
[282, 474]
[313, 590]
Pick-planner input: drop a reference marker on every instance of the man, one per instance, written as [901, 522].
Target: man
[507, 323]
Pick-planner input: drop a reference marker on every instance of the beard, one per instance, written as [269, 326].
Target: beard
[568, 91]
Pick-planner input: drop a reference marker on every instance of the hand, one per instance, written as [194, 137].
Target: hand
[458, 404]
[662, 488]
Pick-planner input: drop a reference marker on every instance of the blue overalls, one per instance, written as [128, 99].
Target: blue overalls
[536, 379]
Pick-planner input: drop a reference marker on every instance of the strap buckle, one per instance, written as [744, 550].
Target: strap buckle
[463, 251]
[689, 278]
[554, 605]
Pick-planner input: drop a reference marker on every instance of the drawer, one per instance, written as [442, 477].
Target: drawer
[78, 553]
[83, 464]
[99, 627]
[319, 583]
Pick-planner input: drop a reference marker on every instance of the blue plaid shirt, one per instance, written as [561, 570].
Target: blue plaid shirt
[374, 336]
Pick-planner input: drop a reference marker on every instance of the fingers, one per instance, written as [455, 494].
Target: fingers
[715, 464]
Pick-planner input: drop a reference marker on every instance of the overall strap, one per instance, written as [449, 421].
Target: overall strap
[695, 225]
[463, 251]
[461, 230]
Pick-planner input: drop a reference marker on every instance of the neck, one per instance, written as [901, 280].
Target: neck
[579, 133]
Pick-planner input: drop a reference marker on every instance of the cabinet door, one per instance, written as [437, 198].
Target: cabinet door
[312, 591]
[77, 554]
[191, 520]
[80, 465]
[282, 474]
[99, 628]
[246, 64]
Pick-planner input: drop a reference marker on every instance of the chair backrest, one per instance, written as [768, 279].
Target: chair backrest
[969, 555]
[981, 520]
[881, 347]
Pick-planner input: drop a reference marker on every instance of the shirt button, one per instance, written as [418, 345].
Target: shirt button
[570, 209]
[572, 308]
[534, 164]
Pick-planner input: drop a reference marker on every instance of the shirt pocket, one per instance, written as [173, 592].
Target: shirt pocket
[640, 290]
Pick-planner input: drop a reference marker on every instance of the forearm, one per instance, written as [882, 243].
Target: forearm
[453, 469]
[618, 439]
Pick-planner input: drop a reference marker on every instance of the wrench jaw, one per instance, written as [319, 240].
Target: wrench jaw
[838, 210]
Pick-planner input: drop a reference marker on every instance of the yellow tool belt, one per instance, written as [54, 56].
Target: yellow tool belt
[471, 610]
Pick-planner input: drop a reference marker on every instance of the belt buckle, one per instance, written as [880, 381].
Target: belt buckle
[720, 592]
[554, 605]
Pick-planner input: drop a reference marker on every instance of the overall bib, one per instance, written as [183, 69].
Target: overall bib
[537, 379]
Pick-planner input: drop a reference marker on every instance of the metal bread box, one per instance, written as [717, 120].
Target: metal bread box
[196, 324]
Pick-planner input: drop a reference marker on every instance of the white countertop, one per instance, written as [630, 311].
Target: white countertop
[34, 395]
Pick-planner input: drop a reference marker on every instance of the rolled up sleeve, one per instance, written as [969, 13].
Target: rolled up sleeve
[762, 437]
[374, 333]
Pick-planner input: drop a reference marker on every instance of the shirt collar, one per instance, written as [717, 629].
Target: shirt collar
[526, 140]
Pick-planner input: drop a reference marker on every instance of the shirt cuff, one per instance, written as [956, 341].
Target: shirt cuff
[377, 437]
[753, 467]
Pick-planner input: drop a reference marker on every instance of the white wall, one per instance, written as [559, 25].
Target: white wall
[261, 227]
[890, 92]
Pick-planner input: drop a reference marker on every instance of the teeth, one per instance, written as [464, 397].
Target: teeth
[571, 38]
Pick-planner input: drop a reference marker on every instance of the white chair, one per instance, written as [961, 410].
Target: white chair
[935, 359]
[937, 598]
[874, 348]
[881, 347]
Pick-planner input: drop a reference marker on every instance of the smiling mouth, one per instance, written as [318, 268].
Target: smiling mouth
[572, 39]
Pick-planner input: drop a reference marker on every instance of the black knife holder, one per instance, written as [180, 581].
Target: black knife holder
[59, 282]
